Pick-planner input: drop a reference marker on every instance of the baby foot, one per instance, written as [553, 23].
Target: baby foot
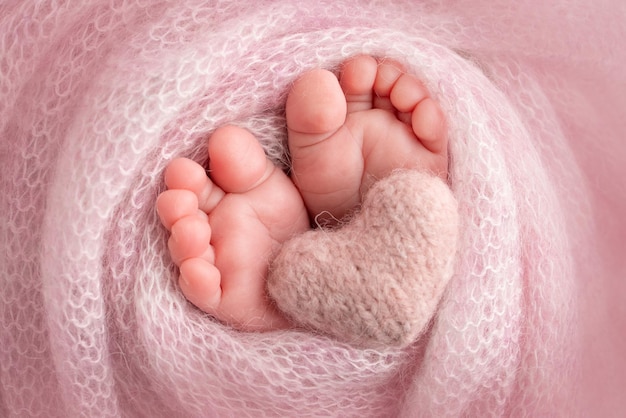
[346, 134]
[225, 230]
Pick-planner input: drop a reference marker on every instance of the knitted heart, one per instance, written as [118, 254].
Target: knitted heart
[376, 281]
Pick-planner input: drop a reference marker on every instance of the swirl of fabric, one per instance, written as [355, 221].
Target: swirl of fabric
[97, 96]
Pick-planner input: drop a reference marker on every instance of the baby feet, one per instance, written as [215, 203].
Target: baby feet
[344, 135]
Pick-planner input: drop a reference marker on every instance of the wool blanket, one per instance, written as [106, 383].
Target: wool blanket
[97, 96]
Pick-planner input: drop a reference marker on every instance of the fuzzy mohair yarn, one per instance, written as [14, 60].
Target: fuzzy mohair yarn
[97, 96]
[376, 280]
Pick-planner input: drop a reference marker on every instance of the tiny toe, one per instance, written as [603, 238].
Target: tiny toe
[191, 237]
[173, 205]
[429, 125]
[237, 162]
[407, 92]
[185, 174]
[389, 72]
[357, 81]
[200, 282]
[316, 108]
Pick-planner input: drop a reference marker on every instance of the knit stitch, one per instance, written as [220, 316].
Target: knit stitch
[97, 96]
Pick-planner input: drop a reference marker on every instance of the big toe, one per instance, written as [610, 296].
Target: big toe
[315, 108]
[237, 162]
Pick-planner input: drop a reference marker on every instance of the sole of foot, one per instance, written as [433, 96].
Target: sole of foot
[226, 228]
[347, 133]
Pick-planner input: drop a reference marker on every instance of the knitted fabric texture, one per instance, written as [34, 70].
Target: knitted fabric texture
[376, 281]
[97, 96]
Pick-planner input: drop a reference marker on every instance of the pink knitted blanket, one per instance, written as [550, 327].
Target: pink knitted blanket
[96, 96]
